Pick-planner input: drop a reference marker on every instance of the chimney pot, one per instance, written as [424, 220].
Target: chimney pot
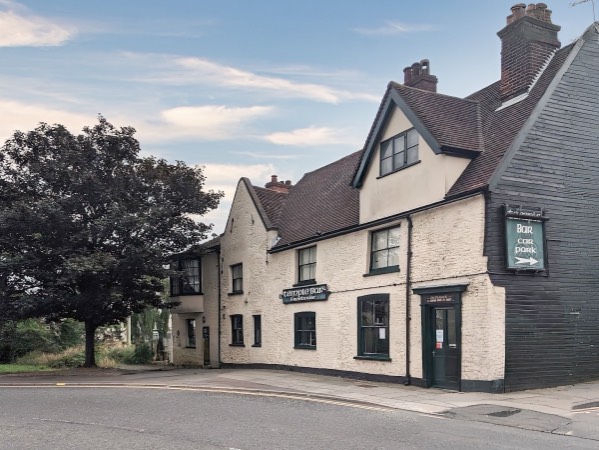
[425, 66]
[273, 178]
[415, 69]
[518, 11]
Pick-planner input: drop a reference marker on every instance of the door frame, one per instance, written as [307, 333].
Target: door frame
[432, 298]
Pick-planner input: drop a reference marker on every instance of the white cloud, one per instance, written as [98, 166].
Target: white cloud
[312, 136]
[211, 122]
[24, 117]
[21, 30]
[258, 155]
[193, 70]
[391, 28]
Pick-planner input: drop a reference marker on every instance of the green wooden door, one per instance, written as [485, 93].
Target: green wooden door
[445, 353]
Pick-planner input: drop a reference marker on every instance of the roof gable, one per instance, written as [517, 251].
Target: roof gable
[447, 124]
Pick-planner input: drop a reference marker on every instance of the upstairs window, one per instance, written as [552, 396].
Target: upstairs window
[237, 278]
[399, 151]
[306, 269]
[188, 281]
[384, 251]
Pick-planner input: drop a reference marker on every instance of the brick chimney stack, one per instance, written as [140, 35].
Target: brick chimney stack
[278, 186]
[527, 42]
[418, 76]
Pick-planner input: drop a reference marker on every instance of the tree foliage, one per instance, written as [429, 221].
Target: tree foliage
[87, 224]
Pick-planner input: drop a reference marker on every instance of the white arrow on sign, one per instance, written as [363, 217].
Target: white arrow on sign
[530, 260]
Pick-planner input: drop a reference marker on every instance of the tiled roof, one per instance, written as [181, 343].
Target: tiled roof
[501, 127]
[454, 122]
[272, 203]
[321, 202]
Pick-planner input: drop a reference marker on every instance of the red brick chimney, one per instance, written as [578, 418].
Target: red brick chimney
[278, 186]
[527, 42]
[418, 76]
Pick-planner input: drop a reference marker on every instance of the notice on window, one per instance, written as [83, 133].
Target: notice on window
[439, 335]
[382, 333]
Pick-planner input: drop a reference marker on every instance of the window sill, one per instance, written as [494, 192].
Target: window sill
[236, 345]
[373, 358]
[189, 346]
[186, 294]
[399, 169]
[304, 283]
[299, 347]
[381, 271]
[257, 345]
[235, 293]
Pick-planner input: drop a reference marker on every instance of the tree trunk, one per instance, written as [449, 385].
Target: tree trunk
[90, 344]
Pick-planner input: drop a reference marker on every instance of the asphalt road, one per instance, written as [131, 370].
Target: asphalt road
[127, 418]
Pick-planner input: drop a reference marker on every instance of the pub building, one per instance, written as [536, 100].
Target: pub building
[459, 248]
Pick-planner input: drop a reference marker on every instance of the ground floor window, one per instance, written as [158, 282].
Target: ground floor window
[305, 330]
[373, 326]
[257, 331]
[191, 333]
[237, 329]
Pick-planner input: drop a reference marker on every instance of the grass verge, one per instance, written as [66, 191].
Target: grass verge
[23, 368]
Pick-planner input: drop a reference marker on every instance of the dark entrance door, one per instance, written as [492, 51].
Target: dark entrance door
[442, 335]
[445, 353]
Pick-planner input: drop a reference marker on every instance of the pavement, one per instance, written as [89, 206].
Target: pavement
[569, 410]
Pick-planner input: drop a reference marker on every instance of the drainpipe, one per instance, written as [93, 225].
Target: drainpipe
[218, 317]
[408, 286]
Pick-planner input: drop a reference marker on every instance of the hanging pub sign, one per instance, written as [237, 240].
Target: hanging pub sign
[305, 294]
[525, 238]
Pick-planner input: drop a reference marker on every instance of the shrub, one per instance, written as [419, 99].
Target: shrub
[71, 357]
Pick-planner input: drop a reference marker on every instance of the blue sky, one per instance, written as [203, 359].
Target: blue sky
[244, 88]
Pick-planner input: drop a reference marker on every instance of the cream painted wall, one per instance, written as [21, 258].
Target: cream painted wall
[447, 249]
[447, 246]
[246, 241]
[418, 185]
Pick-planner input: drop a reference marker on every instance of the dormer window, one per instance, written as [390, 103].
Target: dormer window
[400, 151]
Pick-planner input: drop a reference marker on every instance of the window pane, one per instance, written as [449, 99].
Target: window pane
[380, 313]
[393, 257]
[386, 166]
[379, 240]
[412, 155]
[398, 160]
[312, 254]
[393, 237]
[385, 149]
[379, 259]
[367, 313]
[412, 138]
[370, 338]
[399, 144]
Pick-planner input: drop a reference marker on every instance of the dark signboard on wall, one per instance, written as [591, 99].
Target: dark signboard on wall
[305, 294]
[525, 238]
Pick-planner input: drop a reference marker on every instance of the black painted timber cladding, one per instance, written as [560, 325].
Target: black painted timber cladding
[552, 318]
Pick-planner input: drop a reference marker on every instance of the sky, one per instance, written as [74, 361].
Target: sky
[243, 88]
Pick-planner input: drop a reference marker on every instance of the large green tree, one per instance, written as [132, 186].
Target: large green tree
[87, 224]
